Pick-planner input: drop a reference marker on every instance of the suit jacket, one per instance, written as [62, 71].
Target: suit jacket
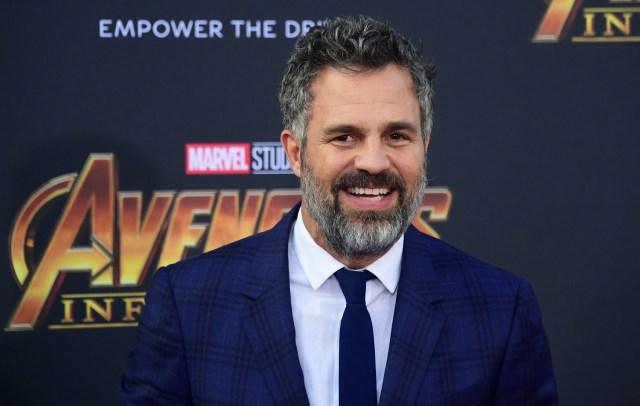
[218, 330]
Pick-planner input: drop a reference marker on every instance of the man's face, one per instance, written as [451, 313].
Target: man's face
[363, 167]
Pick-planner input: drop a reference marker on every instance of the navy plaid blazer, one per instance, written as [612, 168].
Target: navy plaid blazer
[218, 330]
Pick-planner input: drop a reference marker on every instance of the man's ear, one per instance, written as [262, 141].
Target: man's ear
[291, 146]
[426, 143]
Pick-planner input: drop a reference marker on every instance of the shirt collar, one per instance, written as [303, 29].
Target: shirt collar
[318, 265]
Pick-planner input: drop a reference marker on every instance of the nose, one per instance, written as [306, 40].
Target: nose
[372, 157]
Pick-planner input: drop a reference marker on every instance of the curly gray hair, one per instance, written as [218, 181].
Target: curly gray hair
[358, 44]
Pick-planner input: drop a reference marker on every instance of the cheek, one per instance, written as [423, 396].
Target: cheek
[331, 166]
[410, 167]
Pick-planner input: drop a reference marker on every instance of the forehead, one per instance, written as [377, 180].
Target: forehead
[344, 81]
[382, 94]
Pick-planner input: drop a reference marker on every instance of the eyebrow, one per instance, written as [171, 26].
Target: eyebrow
[388, 127]
[401, 125]
[341, 129]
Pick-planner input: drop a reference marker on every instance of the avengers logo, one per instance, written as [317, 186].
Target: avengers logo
[114, 238]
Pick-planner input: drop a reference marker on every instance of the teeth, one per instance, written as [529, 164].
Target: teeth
[376, 193]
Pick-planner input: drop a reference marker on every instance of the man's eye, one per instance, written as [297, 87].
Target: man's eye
[343, 138]
[397, 137]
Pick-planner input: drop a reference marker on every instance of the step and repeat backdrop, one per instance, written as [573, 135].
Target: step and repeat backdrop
[137, 133]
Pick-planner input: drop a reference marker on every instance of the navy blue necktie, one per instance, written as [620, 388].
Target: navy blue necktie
[357, 353]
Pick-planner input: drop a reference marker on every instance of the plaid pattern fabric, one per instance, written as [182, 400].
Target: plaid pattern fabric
[218, 330]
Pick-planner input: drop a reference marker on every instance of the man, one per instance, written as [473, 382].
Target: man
[265, 320]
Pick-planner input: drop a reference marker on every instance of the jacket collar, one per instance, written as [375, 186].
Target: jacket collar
[268, 321]
[417, 323]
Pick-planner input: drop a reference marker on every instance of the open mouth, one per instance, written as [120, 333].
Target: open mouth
[371, 194]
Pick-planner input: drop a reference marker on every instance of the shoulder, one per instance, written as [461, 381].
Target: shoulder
[238, 252]
[467, 289]
[492, 324]
[226, 269]
[456, 271]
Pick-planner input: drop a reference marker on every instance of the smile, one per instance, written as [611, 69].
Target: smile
[371, 194]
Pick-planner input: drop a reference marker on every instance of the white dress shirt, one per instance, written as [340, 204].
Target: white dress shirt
[318, 304]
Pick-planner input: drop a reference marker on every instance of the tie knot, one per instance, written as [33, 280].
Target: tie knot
[353, 284]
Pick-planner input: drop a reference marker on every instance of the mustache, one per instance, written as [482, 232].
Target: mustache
[360, 178]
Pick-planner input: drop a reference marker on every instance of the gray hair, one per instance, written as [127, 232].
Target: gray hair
[358, 44]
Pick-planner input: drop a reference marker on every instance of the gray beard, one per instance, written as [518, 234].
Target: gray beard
[364, 233]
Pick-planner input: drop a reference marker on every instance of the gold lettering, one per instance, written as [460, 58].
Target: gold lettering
[435, 207]
[588, 25]
[94, 194]
[22, 239]
[92, 305]
[182, 234]
[132, 305]
[613, 20]
[228, 224]
[278, 203]
[68, 311]
[140, 239]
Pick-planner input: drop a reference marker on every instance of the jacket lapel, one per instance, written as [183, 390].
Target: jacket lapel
[417, 324]
[268, 321]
